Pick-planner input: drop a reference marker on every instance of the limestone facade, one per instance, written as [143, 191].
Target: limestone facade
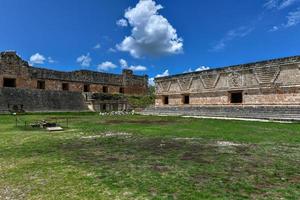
[271, 82]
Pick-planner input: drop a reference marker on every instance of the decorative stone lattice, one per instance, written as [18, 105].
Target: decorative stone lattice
[185, 83]
[210, 80]
[266, 75]
[165, 86]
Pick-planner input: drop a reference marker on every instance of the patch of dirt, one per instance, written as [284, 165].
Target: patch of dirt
[9, 193]
[107, 134]
[160, 168]
[191, 156]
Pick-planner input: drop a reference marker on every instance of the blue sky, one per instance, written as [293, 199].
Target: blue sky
[162, 36]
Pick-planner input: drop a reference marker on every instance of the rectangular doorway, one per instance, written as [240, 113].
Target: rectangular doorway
[236, 97]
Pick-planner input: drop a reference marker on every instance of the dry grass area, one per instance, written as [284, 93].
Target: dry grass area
[144, 157]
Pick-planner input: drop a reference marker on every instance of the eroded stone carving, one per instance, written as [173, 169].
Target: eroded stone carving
[235, 80]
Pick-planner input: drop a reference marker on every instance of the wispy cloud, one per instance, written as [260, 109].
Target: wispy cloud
[279, 4]
[293, 18]
[231, 35]
[97, 46]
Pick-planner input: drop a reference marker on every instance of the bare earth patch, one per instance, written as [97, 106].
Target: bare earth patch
[107, 134]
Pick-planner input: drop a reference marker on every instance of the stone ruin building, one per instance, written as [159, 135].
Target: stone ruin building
[268, 89]
[27, 88]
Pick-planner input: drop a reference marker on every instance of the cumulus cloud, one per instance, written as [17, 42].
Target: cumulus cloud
[122, 23]
[105, 66]
[124, 65]
[84, 60]
[97, 46]
[231, 35]
[151, 34]
[37, 59]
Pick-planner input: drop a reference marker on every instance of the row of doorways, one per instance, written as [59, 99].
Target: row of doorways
[235, 97]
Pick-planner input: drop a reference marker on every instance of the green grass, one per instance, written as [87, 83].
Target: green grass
[161, 158]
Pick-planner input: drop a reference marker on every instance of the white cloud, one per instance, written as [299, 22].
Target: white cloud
[270, 4]
[279, 4]
[84, 60]
[124, 65]
[151, 34]
[202, 68]
[37, 59]
[112, 50]
[105, 66]
[137, 68]
[165, 73]
[274, 28]
[50, 60]
[122, 23]
[97, 46]
[151, 81]
[188, 71]
[287, 3]
[233, 34]
[293, 18]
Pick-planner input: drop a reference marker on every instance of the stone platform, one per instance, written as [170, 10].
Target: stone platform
[286, 113]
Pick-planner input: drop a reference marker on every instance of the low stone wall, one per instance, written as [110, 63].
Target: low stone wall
[41, 100]
[254, 112]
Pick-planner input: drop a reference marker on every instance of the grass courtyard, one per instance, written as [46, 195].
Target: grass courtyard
[145, 157]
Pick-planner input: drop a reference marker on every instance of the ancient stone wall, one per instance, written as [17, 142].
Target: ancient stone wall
[12, 66]
[61, 91]
[41, 100]
[273, 82]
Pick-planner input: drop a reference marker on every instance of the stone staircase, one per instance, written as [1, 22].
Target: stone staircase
[253, 112]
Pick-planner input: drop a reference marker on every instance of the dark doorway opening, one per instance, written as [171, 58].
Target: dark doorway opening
[65, 86]
[236, 97]
[186, 99]
[104, 107]
[86, 88]
[122, 90]
[9, 82]
[41, 85]
[166, 100]
[105, 89]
